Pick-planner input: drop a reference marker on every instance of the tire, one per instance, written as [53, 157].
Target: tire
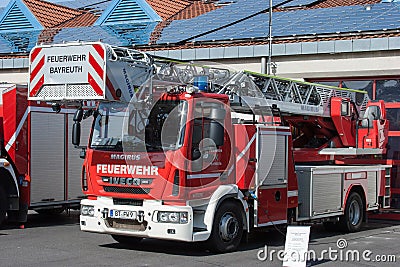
[227, 229]
[3, 205]
[126, 240]
[353, 214]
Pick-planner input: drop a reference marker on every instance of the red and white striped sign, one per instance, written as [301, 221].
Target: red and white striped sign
[63, 65]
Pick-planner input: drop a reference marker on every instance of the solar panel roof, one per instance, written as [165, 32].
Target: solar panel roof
[298, 3]
[15, 42]
[313, 21]
[119, 35]
[180, 30]
[96, 6]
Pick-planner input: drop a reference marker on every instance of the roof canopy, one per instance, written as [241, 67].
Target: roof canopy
[183, 23]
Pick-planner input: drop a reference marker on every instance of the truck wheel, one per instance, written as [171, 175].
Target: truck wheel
[3, 205]
[353, 214]
[126, 240]
[227, 229]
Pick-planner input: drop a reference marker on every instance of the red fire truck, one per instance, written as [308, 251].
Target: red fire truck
[39, 166]
[186, 152]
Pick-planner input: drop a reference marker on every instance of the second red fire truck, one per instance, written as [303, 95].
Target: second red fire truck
[39, 167]
[186, 152]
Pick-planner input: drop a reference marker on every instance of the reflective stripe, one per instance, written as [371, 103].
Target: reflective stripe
[230, 170]
[207, 175]
[272, 223]
[246, 148]
[293, 193]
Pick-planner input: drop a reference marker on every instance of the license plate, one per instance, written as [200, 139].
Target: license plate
[122, 214]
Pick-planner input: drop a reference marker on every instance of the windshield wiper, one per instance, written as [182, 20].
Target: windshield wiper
[107, 142]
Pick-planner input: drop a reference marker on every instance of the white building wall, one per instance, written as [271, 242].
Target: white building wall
[312, 66]
[371, 64]
[372, 57]
[19, 76]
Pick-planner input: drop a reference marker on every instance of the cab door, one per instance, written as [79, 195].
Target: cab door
[210, 146]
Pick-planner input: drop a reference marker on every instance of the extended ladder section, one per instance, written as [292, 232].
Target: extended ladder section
[292, 97]
[252, 89]
[97, 71]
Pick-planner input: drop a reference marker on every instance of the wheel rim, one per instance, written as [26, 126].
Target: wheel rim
[228, 227]
[354, 213]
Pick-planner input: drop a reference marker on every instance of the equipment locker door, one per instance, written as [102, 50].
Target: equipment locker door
[271, 176]
[47, 157]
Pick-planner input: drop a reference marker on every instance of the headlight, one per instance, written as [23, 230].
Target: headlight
[87, 210]
[162, 217]
[184, 217]
[172, 217]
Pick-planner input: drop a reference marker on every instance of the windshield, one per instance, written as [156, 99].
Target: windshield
[137, 127]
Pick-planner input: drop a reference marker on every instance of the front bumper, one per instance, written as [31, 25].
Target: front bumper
[146, 226]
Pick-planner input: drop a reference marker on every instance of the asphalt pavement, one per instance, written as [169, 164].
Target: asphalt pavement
[57, 241]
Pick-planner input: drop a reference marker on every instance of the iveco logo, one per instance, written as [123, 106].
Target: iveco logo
[121, 180]
[125, 157]
[127, 181]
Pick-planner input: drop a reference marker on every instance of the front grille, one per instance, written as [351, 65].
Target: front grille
[128, 201]
[127, 190]
[132, 225]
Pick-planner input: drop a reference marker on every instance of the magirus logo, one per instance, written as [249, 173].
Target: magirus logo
[125, 157]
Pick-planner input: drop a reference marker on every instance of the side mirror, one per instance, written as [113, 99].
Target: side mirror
[76, 128]
[76, 133]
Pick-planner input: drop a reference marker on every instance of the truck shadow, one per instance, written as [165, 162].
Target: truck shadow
[318, 231]
[271, 238]
[36, 220]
